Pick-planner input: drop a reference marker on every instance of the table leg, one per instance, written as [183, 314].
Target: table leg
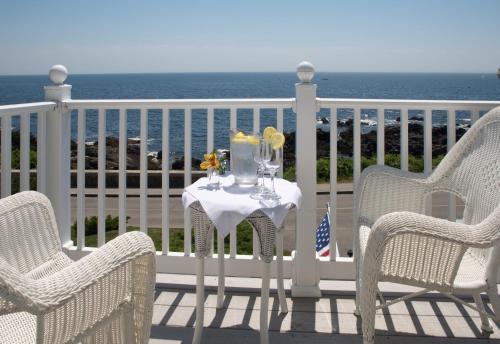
[200, 299]
[222, 276]
[264, 303]
[279, 272]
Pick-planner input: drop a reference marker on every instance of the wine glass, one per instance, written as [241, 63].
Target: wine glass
[258, 157]
[272, 161]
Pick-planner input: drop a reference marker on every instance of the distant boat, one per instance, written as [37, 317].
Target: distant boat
[498, 73]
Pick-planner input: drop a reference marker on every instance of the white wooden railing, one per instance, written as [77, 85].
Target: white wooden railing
[53, 170]
[24, 112]
[188, 106]
[426, 107]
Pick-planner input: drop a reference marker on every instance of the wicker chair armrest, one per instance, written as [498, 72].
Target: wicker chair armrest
[482, 235]
[46, 294]
[383, 189]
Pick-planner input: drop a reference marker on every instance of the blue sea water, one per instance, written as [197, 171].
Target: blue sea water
[21, 89]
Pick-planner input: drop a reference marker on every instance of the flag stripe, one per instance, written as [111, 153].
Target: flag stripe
[323, 237]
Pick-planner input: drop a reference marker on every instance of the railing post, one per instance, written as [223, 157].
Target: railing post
[58, 133]
[305, 278]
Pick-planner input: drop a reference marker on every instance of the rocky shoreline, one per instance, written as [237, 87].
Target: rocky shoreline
[344, 147]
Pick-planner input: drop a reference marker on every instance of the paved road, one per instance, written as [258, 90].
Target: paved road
[344, 213]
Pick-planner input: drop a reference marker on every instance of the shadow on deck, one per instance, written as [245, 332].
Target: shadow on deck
[433, 319]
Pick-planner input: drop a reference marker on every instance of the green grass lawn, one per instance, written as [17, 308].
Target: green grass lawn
[244, 237]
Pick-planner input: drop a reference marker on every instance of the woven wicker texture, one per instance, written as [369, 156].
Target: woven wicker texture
[45, 297]
[395, 242]
[204, 228]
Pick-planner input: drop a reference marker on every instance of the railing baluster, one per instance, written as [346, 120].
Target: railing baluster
[41, 129]
[24, 150]
[210, 130]
[333, 183]
[165, 182]
[428, 152]
[188, 114]
[279, 125]
[122, 172]
[80, 181]
[452, 124]
[101, 178]
[144, 171]
[256, 119]
[6, 151]
[255, 237]
[403, 122]
[210, 148]
[356, 146]
[233, 120]
[474, 116]
[381, 136]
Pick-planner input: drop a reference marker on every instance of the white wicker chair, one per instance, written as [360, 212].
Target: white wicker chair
[394, 242]
[45, 297]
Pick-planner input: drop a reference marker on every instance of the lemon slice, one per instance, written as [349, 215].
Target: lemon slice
[240, 135]
[252, 140]
[277, 140]
[268, 132]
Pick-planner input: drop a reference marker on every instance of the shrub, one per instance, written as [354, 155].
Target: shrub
[16, 158]
[111, 224]
[345, 166]
[289, 174]
[323, 170]
[344, 169]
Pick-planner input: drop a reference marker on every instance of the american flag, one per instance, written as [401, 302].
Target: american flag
[323, 237]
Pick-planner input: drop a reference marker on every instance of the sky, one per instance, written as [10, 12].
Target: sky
[104, 36]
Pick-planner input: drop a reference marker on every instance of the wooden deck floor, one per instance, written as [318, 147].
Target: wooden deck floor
[433, 319]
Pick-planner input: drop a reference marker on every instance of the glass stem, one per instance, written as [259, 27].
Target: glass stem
[262, 175]
[272, 181]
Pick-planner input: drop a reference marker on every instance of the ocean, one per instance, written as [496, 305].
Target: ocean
[22, 89]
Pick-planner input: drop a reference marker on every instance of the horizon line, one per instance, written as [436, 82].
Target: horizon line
[252, 72]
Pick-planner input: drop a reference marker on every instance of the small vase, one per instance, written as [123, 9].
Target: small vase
[213, 178]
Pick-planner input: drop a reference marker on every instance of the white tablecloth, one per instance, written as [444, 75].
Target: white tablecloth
[230, 204]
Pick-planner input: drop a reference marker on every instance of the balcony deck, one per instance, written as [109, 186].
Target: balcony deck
[430, 319]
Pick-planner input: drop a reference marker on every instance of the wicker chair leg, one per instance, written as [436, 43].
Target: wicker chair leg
[279, 272]
[222, 277]
[264, 303]
[357, 312]
[128, 326]
[495, 301]
[368, 297]
[358, 282]
[200, 299]
[485, 322]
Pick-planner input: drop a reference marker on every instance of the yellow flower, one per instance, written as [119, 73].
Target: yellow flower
[211, 161]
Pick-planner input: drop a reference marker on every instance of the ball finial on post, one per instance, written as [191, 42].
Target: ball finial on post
[305, 72]
[58, 74]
